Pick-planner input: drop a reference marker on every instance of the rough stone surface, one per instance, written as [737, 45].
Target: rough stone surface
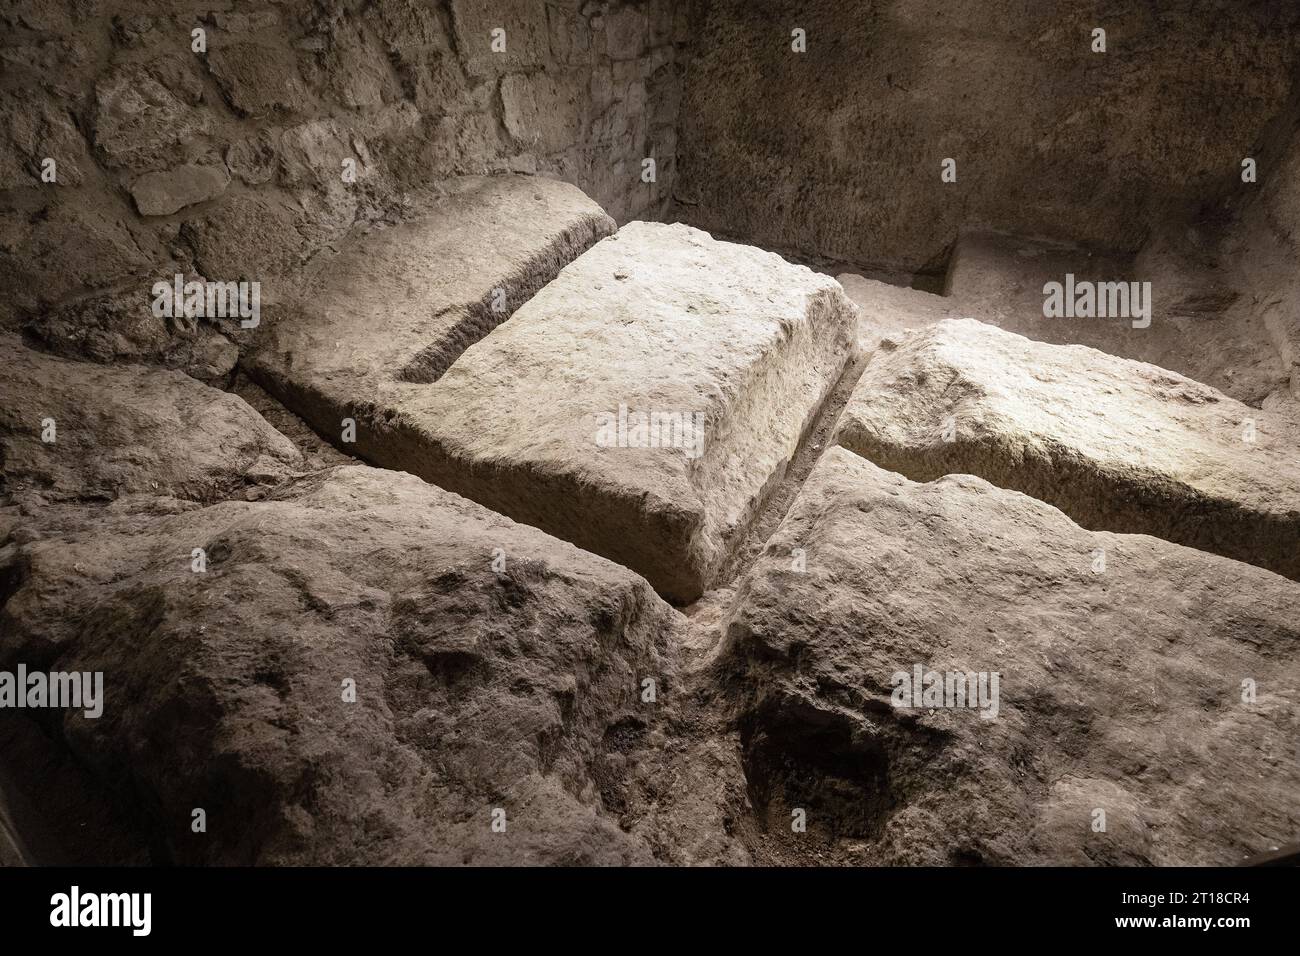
[1193, 329]
[33, 128]
[253, 159]
[1261, 250]
[258, 79]
[656, 319]
[625, 31]
[142, 125]
[1119, 691]
[62, 250]
[475, 689]
[317, 453]
[837, 151]
[526, 35]
[163, 193]
[400, 304]
[1116, 444]
[248, 237]
[887, 311]
[120, 326]
[1217, 313]
[123, 430]
[519, 685]
[407, 89]
[543, 113]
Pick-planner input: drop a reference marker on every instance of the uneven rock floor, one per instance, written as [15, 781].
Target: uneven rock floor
[519, 539]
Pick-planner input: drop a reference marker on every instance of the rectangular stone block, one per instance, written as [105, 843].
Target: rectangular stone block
[641, 405]
[1116, 444]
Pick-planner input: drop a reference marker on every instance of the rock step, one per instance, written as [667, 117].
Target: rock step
[368, 667]
[722, 352]
[1122, 691]
[1117, 445]
[400, 304]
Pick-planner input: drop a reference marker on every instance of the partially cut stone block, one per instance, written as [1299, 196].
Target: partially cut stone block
[400, 304]
[1116, 444]
[1141, 685]
[641, 405]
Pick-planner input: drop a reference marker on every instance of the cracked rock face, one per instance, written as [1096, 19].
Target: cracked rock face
[139, 123]
[1116, 444]
[1119, 690]
[491, 666]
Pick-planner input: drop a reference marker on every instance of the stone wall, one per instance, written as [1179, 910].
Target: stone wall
[236, 161]
[1264, 246]
[836, 152]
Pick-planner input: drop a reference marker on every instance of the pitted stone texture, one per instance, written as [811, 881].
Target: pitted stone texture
[1263, 247]
[64, 249]
[250, 237]
[661, 320]
[1194, 330]
[1119, 691]
[1115, 444]
[544, 112]
[400, 304]
[475, 688]
[122, 430]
